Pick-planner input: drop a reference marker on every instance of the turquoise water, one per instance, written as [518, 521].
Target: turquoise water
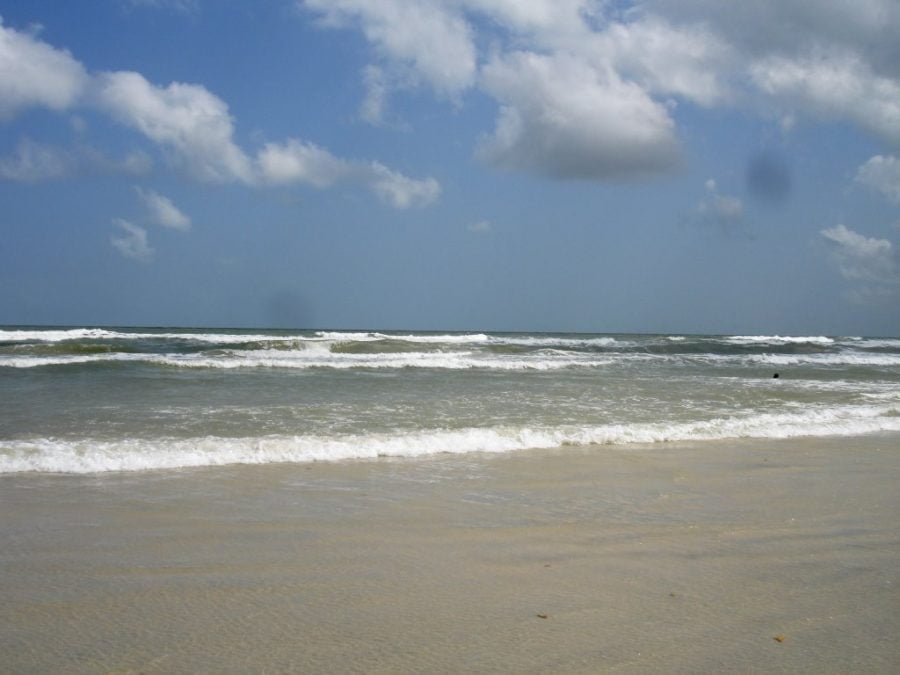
[99, 399]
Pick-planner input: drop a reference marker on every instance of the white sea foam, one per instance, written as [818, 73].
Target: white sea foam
[64, 359]
[841, 359]
[103, 334]
[550, 341]
[342, 336]
[316, 356]
[471, 339]
[474, 338]
[873, 343]
[779, 339]
[49, 336]
[88, 455]
[59, 335]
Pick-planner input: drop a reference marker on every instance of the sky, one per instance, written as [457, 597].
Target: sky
[656, 166]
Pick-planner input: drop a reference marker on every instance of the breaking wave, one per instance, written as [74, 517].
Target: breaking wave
[91, 455]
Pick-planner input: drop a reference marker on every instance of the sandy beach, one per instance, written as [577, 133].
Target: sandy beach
[750, 556]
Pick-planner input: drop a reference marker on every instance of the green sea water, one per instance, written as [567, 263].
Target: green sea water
[100, 399]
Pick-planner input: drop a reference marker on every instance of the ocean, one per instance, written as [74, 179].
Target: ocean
[87, 399]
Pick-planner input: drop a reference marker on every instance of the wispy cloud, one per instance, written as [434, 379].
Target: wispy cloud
[296, 161]
[862, 258]
[718, 211]
[132, 241]
[480, 227]
[882, 174]
[33, 162]
[870, 264]
[162, 211]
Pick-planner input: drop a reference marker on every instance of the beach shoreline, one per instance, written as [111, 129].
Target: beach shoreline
[741, 556]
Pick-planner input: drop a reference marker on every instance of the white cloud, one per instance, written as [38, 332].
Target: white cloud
[562, 117]
[136, 163]
[867, 27]
[426, 36]
[785, 59]
[717, 210]
[296, 161]
[192, 123]
[861, 258]
[32, 73]
[882, 173]
[546, 20]
[299, 162]
[373, 106]
[162, 211]
[398, 190]
[834, 86]
[133, 242]
[688, 61]
[33, 162]
[194, 126]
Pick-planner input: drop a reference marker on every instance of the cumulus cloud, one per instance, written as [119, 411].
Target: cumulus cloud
[866, 27]
[196, 128]
[567, 119]
[787, 59]
[427, 37]
[162, 211]
[193, 124]
[834, 86]
[861, 258]
[296, 161]
[32, 73]
[396, 189]
[687, 61]
[132, 242]
[882, 173]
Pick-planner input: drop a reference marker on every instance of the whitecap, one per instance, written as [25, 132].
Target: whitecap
[93, 455]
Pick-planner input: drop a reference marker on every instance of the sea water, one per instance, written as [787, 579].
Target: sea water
[81, 400]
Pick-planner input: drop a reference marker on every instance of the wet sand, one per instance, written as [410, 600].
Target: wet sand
[752, 556]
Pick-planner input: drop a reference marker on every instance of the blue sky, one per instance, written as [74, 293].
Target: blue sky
[557, 165]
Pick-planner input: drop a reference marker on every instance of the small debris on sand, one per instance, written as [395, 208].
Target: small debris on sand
[542, 616]
[779, 638]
